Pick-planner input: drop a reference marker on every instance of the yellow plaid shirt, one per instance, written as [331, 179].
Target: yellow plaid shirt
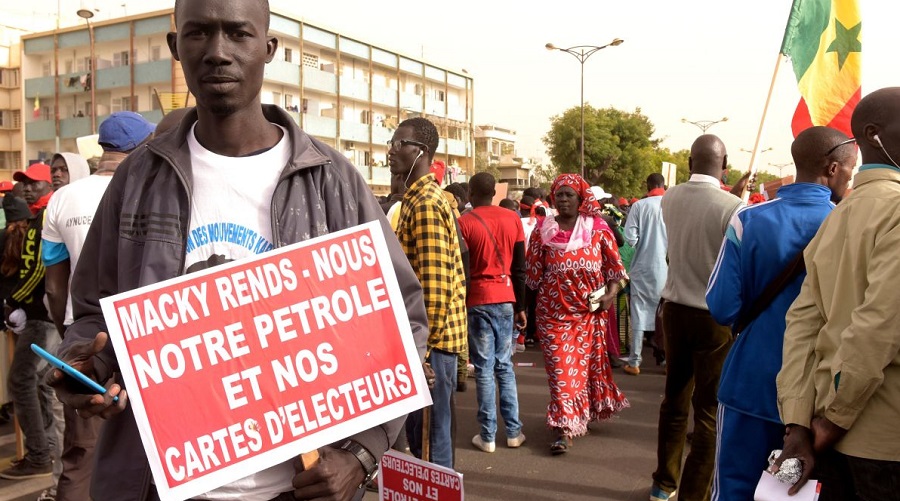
[427, 232]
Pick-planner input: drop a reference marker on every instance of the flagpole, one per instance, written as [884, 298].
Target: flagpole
[745, 195]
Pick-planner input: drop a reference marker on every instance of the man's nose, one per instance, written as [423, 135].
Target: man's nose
[218, 50]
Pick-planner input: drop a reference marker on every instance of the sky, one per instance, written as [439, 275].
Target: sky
[691, 59]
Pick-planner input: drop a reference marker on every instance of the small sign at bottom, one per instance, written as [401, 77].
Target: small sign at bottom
[404, 477]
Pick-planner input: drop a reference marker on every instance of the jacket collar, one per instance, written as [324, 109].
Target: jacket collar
[873, 173]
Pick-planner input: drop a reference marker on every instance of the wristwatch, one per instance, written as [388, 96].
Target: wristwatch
[365, 458]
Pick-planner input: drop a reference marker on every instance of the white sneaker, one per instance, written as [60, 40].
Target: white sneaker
[517, 441]
[520, 347]
[481, 444]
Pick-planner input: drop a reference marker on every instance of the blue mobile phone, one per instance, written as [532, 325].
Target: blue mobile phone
[69, 370]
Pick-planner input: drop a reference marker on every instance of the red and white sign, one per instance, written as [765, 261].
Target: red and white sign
[240, 367]
[406, 478]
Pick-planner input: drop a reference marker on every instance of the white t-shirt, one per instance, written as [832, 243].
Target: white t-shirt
[68, 219]
[230, 220]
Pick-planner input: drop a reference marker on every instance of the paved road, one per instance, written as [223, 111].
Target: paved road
[613, 462]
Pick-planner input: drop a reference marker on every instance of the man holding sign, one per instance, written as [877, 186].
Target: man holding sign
[235, 179]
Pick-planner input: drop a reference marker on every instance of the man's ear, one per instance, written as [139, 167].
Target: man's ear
[831, 169]
[172, 42]
[725, 162]
[271, 47]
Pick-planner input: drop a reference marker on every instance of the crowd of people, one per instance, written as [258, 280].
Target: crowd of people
[775, 322]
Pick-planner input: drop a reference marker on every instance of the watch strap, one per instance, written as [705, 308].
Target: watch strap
[365, 458]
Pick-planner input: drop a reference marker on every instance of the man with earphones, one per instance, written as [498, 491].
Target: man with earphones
[427, 233]
[839, 385]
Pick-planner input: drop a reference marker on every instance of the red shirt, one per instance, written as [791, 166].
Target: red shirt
[490, 279]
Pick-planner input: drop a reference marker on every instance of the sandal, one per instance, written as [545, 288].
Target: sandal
[560, 446]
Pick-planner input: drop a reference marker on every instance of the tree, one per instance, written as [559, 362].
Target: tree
[482, 164]
[543, 175]
[618, 149]
[680, 159]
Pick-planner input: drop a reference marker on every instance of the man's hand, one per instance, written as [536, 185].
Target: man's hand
[825, 434]
[336, 477]
[742, 185]
[521, 320]
[797, 444]
[70, 392]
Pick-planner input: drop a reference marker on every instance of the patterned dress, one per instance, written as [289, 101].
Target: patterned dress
[572, 337]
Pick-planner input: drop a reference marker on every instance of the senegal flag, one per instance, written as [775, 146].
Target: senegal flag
[822, 39]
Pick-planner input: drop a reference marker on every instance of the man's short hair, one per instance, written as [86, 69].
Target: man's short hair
[264, 2]
[482, 185]
[656, 179]
[460, 192]
[423, 131]
[508, 203]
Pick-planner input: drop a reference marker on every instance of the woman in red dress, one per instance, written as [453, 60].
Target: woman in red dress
[571, 255]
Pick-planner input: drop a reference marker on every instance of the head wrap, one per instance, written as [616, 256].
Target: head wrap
[589, 204]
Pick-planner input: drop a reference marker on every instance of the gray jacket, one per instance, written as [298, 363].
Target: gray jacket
[139, 235]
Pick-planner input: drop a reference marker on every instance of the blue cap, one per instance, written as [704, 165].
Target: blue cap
[124, 131]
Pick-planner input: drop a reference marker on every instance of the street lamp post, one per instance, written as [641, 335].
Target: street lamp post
[745, 150]
[582, 53]
[704, 125]
[87, 14]
[781, 167]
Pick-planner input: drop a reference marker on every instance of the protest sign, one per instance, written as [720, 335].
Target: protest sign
[243, 366]
[405, 478]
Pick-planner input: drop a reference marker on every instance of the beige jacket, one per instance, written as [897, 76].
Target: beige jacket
[843, 332]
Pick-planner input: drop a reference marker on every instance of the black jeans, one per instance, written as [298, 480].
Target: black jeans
[848, 478]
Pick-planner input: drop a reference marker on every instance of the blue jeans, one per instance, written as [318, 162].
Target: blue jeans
[444, 365]
[490, 348]
[33, 400]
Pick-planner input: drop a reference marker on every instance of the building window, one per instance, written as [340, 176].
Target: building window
[9, 78]
[84, 64]
[10, 119]
[46, 69]
[310, 60]
[304, 105]
[155, 52]
[439, 95]
[276, 98]
[289, 103]
[9, 160]
[88, 109]
[120, 58]
[288, 55]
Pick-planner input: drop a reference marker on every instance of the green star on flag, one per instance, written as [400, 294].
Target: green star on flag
[845, 41]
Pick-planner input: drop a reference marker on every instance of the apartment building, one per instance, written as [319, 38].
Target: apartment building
[498, 145]
[344, 91]
[10, 104]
